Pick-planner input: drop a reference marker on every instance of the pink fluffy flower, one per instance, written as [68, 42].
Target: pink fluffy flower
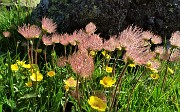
[48, 25]
[47, 40]
[55, 38]
[29, 31]
[82, 64]
[175, 56]
[111, 44]
[175, 39]
[130, 37]
[90, 28]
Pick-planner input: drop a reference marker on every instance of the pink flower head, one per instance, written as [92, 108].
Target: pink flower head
[159, 50]
[175, 39]
[82, 64]
[55, 38]
[156, 39]
[90, 28]
[61, 62]
[175, 56]
[47, 40]
[111, 44]
[63, 39]
[130, 37]
[29, 31]
[147, 35]
[6, 34]
[139, 56]
[48, 25]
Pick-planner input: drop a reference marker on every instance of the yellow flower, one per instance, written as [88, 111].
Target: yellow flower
[70, 82]
[154, 76]
[155, 71]
[26, 66]
[97, 103]
[51, 73]
[29, 84]
[170, 70]
[132, 65]
[36, 76]
[107, 81]
[92, 53]
[66, 87]
[109, 69]
[21, 63]
[104, 53]
[14, 67]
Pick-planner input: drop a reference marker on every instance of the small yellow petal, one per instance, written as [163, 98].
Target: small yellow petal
[170, 70]
[29, 84]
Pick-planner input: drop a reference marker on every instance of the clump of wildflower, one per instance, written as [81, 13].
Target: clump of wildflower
[90, 28]
[47, 40]
[109, 69]
[70, 82]
[82, 64]
[14, 67]
[107, 81]
[48, 25]
[175, 39]
[51, 73]
[154, 76]
[6, 34]
[29, 31]
[36, 76]
[97, 103]
[29, 84]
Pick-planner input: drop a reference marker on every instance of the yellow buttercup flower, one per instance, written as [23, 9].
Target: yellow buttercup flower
[170, 70]
[154, 76]
[51, 73]
[107, 56]
[107, 81]
[29, 84]
[97, 103]
[36, 76]
[66, 87]
[109, 69]
[26, 66]
[14, 67]
[21, 63]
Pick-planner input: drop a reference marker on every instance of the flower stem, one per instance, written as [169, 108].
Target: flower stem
[119, 82]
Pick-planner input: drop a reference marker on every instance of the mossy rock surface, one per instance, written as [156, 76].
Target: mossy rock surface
[112, 16]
